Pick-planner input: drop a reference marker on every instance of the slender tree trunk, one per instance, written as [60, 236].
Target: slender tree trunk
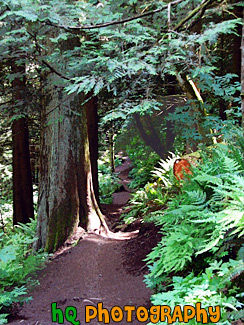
[91, 217]
[242, 75]
[222, 103]
[237, 42]
[111, 148]
[92, 124]
[197, 110]
[23, 208]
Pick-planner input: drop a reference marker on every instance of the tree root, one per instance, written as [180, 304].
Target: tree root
[106, 233]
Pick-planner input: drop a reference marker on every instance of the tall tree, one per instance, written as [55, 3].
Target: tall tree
[23, 208]
[242, 75]
[66, 191]
[92, 125]
[66, 185]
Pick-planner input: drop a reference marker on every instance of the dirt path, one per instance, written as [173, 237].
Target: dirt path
[96, 270]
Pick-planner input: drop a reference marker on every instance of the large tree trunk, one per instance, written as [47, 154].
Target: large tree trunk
[66, 193]
[23, 208]
[58, 206]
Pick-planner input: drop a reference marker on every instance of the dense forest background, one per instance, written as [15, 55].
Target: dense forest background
[83, 80]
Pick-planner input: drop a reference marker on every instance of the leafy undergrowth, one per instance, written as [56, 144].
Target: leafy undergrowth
[143, 161]
[108, 181]
[155, 194]
[200, 255]
[17, 263]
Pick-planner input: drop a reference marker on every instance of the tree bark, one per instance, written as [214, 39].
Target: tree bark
[58, 206]
[222, 103]
[23, 209]
[66, 192]
[91, 217]
[237, 42]
[111, 148]
[92, 124]
[242, 75]
[66, 195]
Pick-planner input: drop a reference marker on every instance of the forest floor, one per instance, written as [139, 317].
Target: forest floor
[96, 270]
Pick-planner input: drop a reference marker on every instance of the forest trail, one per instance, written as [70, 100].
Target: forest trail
[96, 270]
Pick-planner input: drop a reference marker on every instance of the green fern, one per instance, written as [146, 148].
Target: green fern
[206, 212]
[207, 288]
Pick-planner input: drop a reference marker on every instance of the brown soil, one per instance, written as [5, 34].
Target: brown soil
[96, 270]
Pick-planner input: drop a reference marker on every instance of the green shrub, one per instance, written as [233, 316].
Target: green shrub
[143, 161]
[208, 210]
[17, 262]
[213, 287]
[199, 224]
[108, 182]
[153, 196]
[150, 198]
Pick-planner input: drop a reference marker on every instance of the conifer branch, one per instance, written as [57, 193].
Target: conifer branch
[55, 71]
[116, 22]
[195, 11]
